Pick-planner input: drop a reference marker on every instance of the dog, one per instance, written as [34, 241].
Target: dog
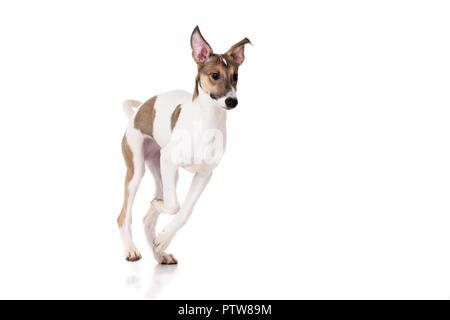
[178, 130]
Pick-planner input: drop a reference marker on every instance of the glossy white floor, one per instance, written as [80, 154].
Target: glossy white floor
[240, 243]
[335, 182]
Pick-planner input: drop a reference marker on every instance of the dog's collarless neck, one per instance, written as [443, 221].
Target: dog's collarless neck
[208, 107]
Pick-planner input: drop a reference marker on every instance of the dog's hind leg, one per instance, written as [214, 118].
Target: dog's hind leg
[132, 150]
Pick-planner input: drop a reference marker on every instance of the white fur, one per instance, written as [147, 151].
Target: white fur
[128, 107]
[202, 124]
[165, 105]
[224, 61]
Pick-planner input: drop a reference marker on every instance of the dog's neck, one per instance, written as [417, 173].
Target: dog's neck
[209, 108]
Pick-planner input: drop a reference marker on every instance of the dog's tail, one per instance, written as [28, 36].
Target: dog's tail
[128, 107]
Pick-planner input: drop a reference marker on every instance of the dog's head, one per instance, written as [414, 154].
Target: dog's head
[217, 73]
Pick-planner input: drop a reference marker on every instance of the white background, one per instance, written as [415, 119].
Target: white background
[336, 179]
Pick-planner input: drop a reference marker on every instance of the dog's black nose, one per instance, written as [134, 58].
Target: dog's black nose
[231, 102]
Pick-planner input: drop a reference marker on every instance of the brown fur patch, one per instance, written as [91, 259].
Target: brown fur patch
[145, 117]
[128, 157]
[174, 117]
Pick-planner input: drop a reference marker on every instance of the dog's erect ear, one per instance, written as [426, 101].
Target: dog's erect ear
[237, 51]
[200, 48]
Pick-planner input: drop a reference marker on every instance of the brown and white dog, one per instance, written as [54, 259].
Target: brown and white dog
[177, 129]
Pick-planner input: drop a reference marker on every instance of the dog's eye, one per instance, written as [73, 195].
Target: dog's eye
[235, 77]
[215, 75]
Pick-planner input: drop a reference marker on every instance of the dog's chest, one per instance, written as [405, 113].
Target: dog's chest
[206, 149]
[205, 133]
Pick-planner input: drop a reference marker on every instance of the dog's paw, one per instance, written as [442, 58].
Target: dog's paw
[162, 241]
[167, 258]
[132, 255]
[159, 206]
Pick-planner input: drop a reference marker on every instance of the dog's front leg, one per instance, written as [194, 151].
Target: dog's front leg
[169, 176]
[199, 182]
[150, 221]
